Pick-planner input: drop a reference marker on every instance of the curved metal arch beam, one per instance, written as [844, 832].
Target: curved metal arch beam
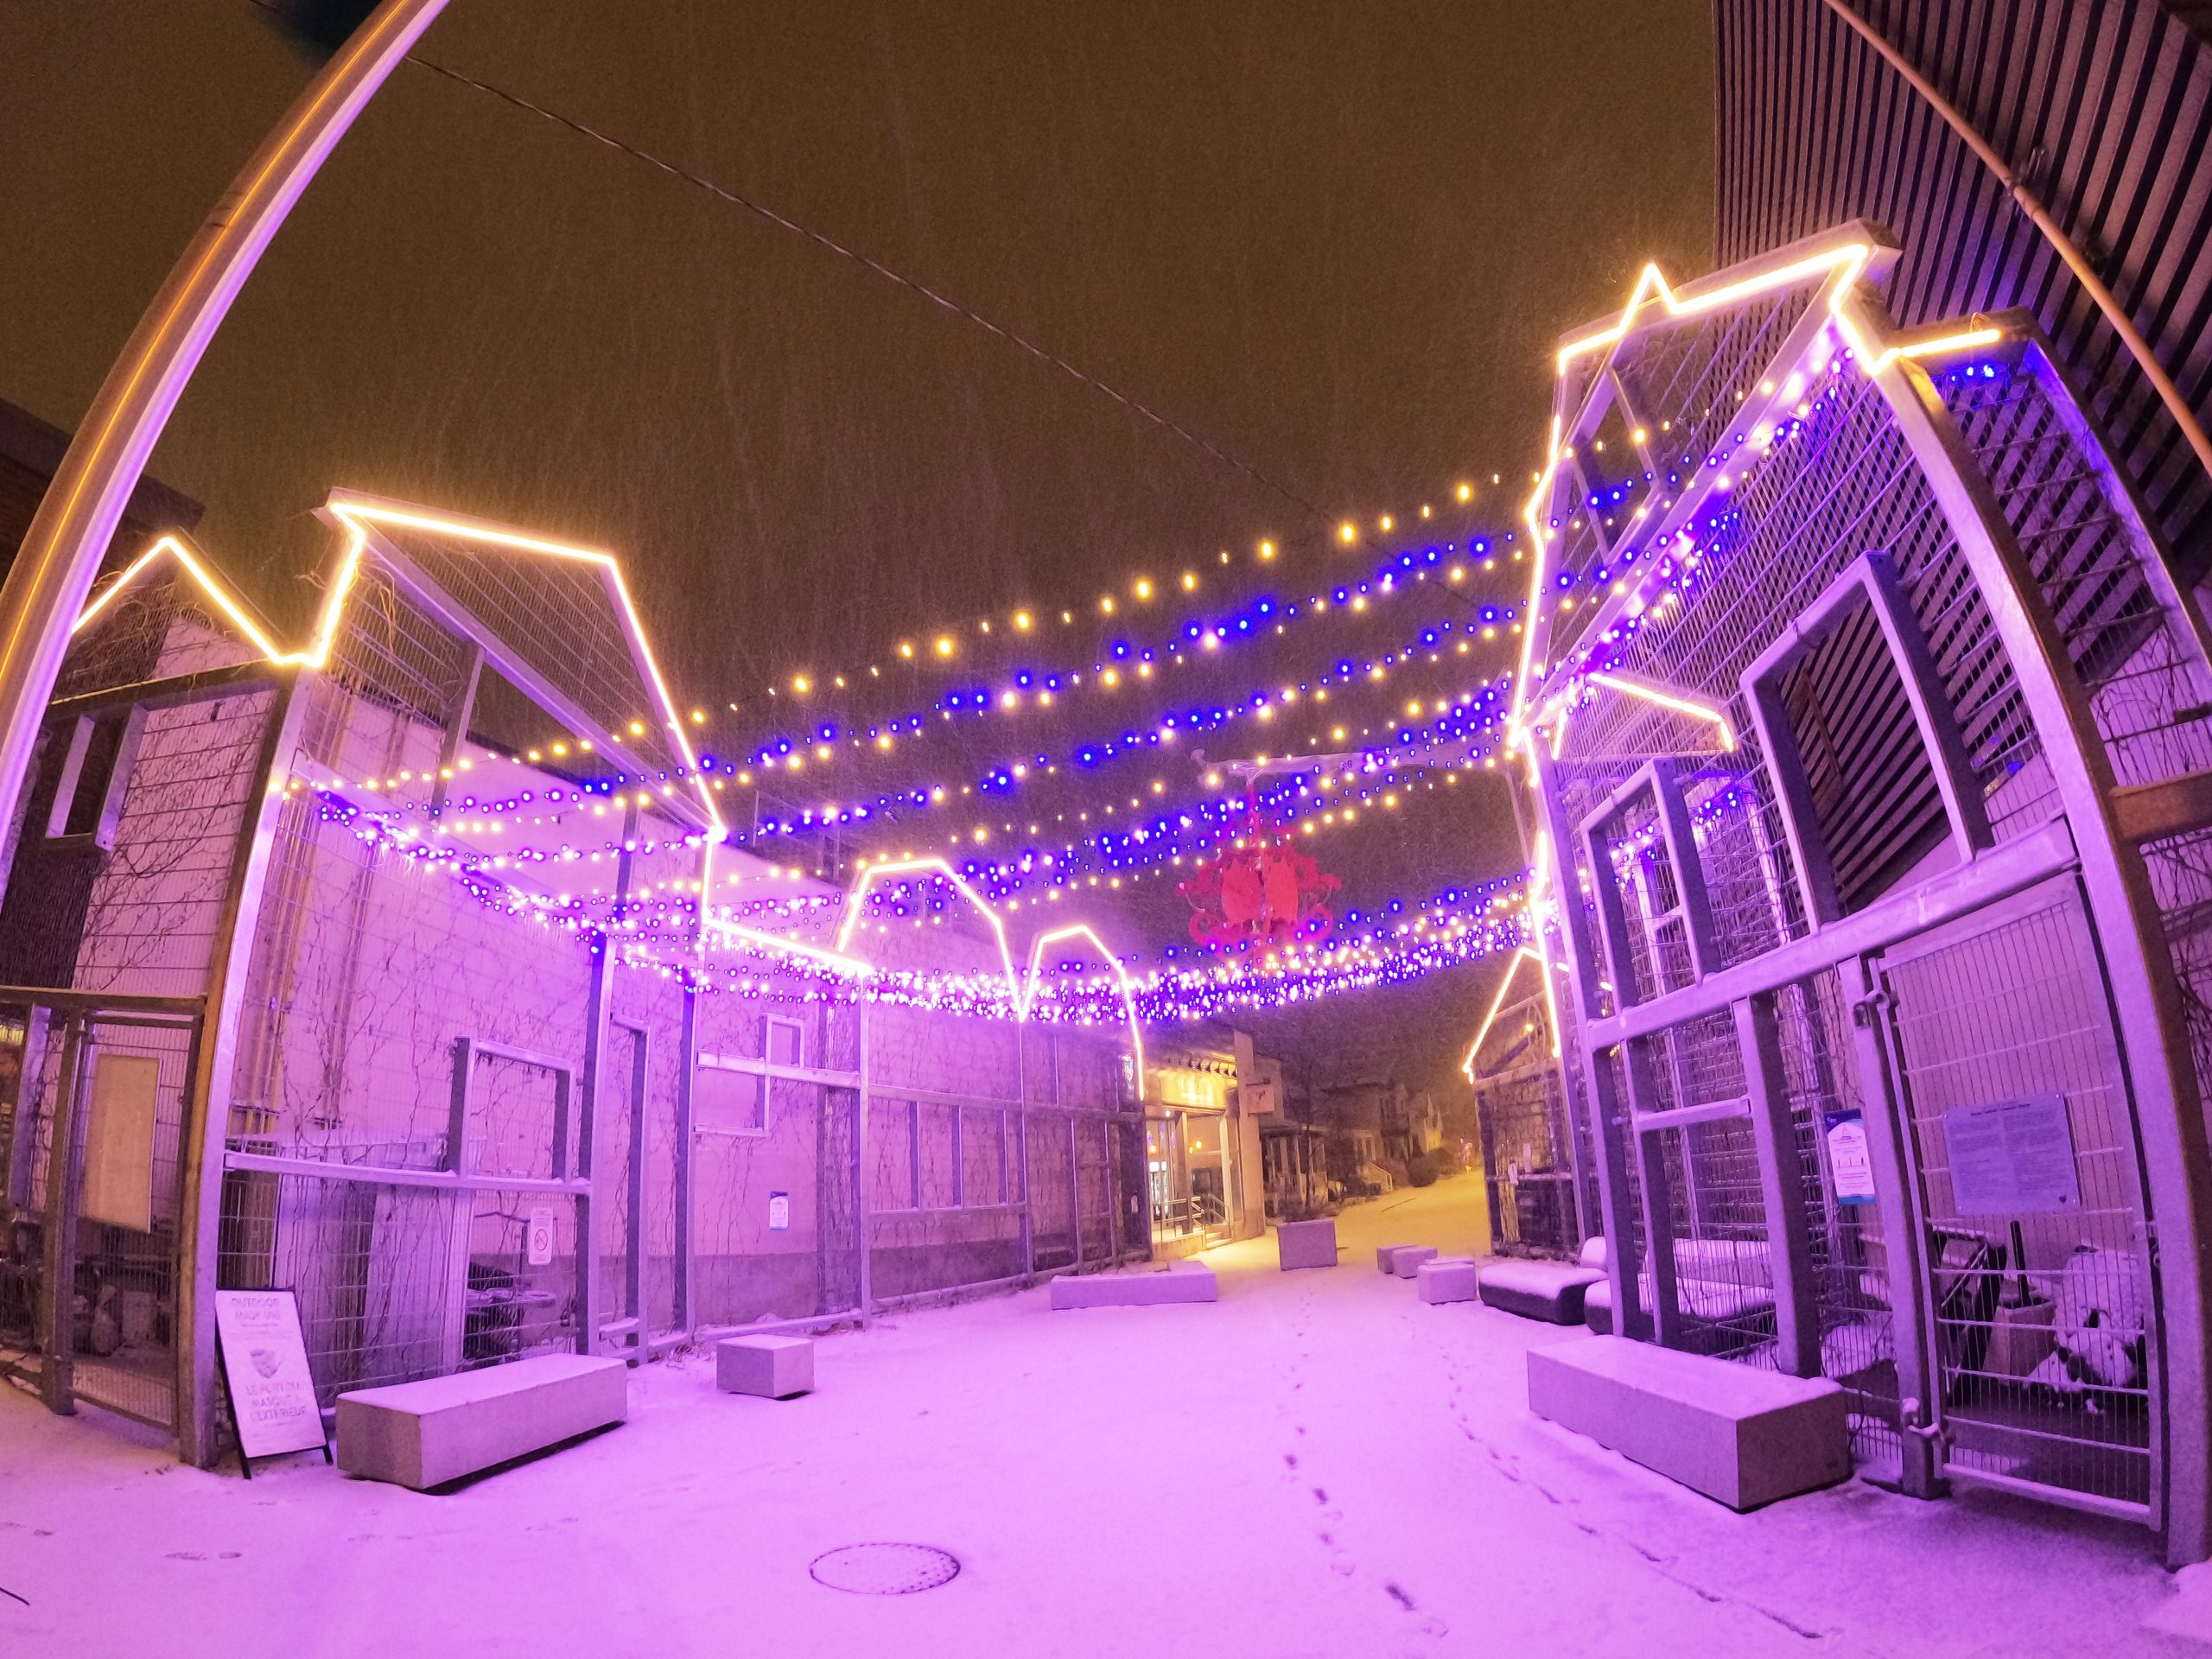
[59, 560]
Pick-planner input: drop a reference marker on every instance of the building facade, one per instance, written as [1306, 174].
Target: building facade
[2101, 110]
[1862, 763]
[408, 970]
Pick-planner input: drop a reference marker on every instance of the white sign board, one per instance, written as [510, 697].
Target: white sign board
[2012, 1157]
[1851, 1170]
[266, 1362]
[779, 1212]
[119, 1186]
[1257, 1097]
[539, 1240]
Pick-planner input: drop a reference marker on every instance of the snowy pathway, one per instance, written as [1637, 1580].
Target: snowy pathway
[1316, 1464]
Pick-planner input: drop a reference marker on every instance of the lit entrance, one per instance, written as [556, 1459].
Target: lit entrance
[1188, 1175]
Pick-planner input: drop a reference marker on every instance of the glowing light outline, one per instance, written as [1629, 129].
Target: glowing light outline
[1842, 265]
[1022, 995]
[1665, 696]
[210, 583]
[1521, 954]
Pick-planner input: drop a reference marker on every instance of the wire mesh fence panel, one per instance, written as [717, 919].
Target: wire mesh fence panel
[513, 1305]
[33, 1043]
[367, 971]
[2086, 550]
[1520, 1112]
[771, 1171]
[653, 1006]
[2031, 1185]
[616, 1172]
[2180, 869]
[1852, 1297]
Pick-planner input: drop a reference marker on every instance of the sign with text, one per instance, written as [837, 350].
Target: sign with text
[2013, 1157]
[1851, 1170]
[539, 1243]
[265, 1363]
[779, 1212]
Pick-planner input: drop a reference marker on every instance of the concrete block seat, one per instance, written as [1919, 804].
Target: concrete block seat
[1553, 1291]
[1179, 1281]
[1742, 1436]
[423, 1435]
[1386, 1256]
[1446, 1279]
[774, 1367]
[1305, 1244]
[1725, 1288]
[1406, 1260]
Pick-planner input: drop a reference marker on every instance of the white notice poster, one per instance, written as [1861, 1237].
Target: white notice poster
[119, 1186]
[2012, 1157]
[1851, 1167]
[265, 1361]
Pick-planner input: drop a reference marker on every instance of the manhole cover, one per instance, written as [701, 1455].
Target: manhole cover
[884, 1569]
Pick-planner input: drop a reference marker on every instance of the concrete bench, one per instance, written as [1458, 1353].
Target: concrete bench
[1180, 1281]
[1406, 1260]
[1742, 1436]
[1446, 1279]
[1386, 1256]
[1305, 1244]
[775, 1367]
[422, 1434]
[1553, 1291]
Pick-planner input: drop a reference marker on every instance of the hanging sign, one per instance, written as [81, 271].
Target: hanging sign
[265, 1370]
[1851, 1170]
[540, 1240]
[2012, 1157]
[779, 1212]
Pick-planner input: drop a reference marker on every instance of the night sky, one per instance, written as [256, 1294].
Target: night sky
[1333, 241]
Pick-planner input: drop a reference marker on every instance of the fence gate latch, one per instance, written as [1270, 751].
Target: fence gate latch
[1865, 1009]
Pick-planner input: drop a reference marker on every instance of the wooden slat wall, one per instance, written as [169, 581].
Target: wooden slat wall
[2103, 107]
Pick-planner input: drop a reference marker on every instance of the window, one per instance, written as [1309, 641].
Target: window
[95, 766]
[725, 1100]
[1863, 743]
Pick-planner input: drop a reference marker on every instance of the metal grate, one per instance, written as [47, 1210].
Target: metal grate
[884, 1569]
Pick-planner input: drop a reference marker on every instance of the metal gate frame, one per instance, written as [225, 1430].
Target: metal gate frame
[1878, 1012]
[72, 1018]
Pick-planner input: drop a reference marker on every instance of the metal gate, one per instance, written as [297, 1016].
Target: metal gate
[92, 1188]
[2023, 1165]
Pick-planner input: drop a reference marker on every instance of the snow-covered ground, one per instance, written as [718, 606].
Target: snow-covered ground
[1316, 1464]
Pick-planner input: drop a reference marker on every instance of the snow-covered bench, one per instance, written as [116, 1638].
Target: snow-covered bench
[1544, 1290]
[422, 1434]
[1180, 1282]
[1743, 1436]
[1719, 1284]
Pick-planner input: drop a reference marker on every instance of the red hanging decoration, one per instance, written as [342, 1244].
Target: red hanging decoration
[1266, 892]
